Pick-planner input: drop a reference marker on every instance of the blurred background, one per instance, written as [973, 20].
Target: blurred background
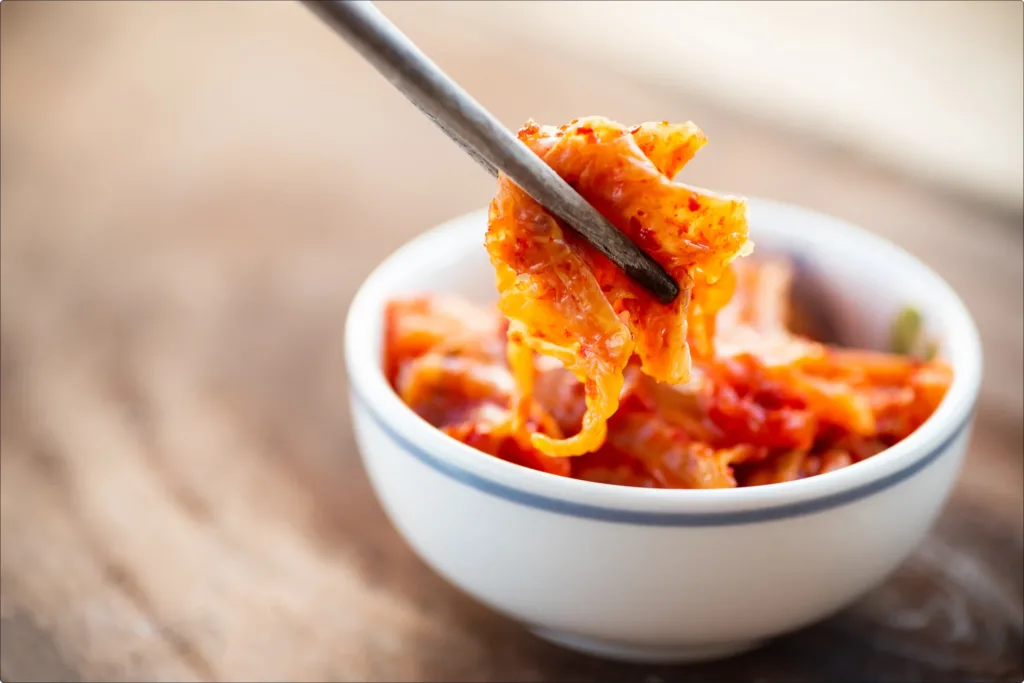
[192, 191]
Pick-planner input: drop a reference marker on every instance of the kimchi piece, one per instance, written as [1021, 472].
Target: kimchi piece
[565, 300]
[446, 360]
[767, 406]
[870, 394]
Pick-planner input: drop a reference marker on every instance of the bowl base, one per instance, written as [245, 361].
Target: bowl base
[646, 654]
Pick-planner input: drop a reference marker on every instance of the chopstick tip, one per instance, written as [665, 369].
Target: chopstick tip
[655, 280]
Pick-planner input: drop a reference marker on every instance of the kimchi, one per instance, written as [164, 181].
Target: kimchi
[579, 372]
[565, 300]
[769, 406]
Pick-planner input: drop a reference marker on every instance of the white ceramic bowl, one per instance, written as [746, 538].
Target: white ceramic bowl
[666, 575]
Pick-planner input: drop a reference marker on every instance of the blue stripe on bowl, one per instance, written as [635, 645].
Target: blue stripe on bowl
[619, 516]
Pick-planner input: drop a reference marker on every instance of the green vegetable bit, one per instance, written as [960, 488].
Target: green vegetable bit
[905, 332]
[907, 335]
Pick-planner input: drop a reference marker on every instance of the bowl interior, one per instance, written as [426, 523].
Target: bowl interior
[861, 280]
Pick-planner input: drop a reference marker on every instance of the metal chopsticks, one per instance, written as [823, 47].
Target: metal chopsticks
[481, 135]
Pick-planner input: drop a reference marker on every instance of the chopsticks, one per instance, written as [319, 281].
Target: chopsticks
[482, 136]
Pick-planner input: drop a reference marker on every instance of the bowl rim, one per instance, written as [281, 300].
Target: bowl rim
[371, 393]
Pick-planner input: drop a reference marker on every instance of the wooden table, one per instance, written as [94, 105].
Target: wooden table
[191, 194]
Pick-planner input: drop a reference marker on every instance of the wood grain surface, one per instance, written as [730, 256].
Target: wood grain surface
[191, 193]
